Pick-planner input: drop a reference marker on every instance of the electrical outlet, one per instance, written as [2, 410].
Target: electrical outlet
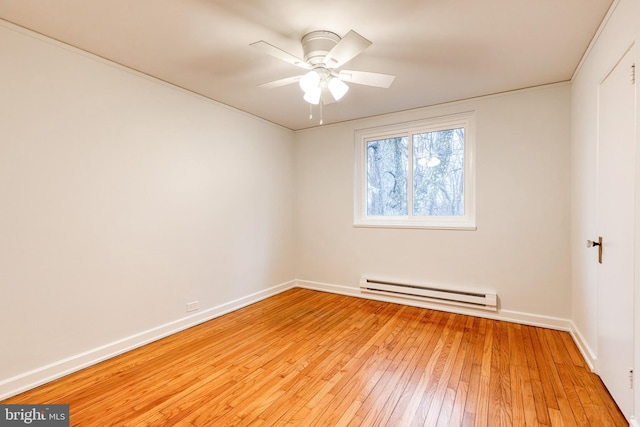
[192, 306]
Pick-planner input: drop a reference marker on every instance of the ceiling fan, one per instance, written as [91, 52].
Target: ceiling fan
[325, 52]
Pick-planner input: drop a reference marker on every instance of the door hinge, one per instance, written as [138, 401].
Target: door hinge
[631, 378]
[633, 74]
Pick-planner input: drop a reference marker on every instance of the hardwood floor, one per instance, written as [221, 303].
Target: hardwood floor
[312, 358]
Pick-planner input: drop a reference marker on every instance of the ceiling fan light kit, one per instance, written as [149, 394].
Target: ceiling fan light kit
[312, 95]
[309, 81]
[315, 80]
[324, 52]
[337, 88]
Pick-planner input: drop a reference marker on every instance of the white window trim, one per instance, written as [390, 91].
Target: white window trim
[465, 120]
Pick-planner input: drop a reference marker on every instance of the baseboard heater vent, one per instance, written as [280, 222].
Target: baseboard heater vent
[484, 301]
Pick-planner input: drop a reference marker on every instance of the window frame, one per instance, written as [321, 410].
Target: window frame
[467, 221]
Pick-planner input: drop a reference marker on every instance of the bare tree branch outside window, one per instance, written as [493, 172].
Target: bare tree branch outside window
[387, 169]
[437, 174]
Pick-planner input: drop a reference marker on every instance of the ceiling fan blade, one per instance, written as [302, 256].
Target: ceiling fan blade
[276, 52]
[367, 78]
[281, 82]
[347, 48]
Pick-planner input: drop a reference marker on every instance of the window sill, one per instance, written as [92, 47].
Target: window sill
[461, 225]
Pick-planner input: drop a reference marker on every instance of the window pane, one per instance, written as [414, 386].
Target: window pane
[438, 173]
[387, 168]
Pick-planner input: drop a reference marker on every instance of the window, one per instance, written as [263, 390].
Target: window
[417, 174]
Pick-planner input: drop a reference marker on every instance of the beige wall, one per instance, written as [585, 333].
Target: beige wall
[122, 199]
[521, 246]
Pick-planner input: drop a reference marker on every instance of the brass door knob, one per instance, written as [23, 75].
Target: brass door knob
[591, 243]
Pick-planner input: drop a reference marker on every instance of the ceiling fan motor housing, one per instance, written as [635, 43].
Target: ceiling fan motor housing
[317, 44]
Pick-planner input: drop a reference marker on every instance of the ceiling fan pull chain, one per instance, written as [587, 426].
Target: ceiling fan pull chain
[321, 112]
[310, 111]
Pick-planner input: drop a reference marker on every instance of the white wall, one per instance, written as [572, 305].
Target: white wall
[521, 246]
[617, 34]
[122, 199]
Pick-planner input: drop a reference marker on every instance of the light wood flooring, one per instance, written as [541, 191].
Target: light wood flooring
[312, 358]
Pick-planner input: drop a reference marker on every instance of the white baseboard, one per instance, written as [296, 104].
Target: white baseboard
[529, 319]
[505, 315]
[34, 378]
[586, 350]
[28, 380]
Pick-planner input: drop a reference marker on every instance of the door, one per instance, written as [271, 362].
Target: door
[615, 224]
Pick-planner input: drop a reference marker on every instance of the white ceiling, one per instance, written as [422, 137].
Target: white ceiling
[439, 50]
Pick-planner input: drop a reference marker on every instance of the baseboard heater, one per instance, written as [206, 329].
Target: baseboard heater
[434, 294]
